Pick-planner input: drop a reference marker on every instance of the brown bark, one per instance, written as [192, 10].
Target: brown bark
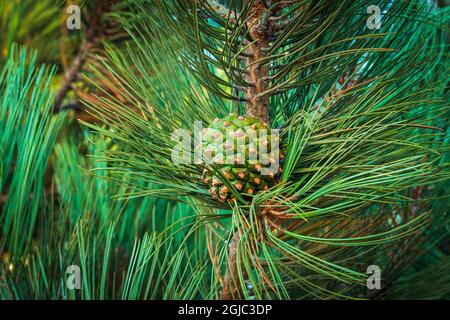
[231, 284]
[260, 28]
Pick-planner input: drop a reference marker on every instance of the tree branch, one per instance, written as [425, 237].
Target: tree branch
[260, 28]
[231, 283]
[93, 35]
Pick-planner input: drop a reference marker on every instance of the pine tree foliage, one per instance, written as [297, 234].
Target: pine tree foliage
[86, 227]
[363, 115]
[361, 127]
[28, 132]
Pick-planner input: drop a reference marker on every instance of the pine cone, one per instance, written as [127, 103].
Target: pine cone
[242, 153]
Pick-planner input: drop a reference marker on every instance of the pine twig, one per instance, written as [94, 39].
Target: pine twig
[71, 75]
[260, 28]
[231, 289]
[94, 33]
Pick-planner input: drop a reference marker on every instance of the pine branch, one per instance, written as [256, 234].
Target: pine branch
[260, 30]
[71, 75]
[231, 287]
[94, 34]
[351, 146]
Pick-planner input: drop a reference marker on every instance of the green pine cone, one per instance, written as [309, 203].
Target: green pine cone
[239, 153]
